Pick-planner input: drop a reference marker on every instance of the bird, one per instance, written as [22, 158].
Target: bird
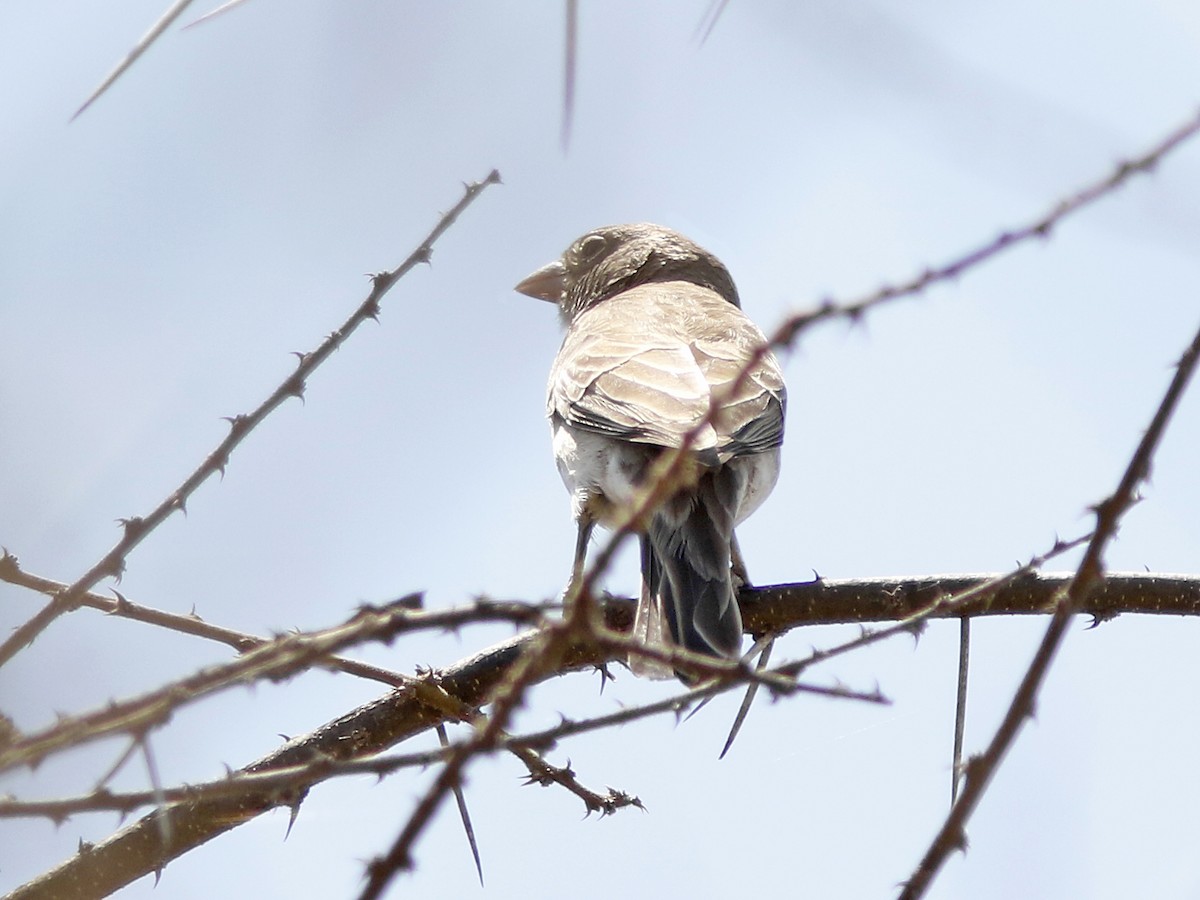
[658, 353]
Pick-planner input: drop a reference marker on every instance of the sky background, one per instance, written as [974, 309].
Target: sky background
[161, 256]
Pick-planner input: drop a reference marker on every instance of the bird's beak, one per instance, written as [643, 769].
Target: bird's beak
[546, 283]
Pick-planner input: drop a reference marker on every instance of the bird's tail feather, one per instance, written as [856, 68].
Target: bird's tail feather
[650, 626]
[687, 592]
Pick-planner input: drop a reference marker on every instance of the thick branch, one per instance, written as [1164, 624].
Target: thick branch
[774, 609]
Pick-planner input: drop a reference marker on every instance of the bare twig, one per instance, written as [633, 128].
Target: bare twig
[282, 658]
[1037, 228]
[538, 660]
[556, 647]
[136, 528]
[191, 624]
[543, 773]
[1088, 576]
[960, 704]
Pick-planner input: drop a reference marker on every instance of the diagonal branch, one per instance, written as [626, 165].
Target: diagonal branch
[277, 660]
[1037, 228]
[191, 624]
[136, 528]
[1088, 577]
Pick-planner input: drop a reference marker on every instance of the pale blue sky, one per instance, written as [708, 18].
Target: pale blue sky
[162, 255]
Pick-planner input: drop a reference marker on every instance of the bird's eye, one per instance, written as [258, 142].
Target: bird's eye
[590, 247]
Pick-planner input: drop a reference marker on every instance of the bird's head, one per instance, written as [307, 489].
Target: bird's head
[609, 260]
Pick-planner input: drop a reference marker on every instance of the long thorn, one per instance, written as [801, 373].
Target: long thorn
[160, 800]
[462, 810]
[164, 21]
[960, 706]
[744, 709]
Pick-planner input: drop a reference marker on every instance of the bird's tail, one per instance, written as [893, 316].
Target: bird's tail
[687, 593]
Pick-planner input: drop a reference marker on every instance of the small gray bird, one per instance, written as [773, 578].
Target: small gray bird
[655, 331]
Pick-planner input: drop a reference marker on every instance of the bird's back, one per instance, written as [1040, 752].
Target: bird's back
[646, 364]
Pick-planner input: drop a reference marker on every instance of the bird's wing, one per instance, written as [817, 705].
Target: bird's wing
[651, 393]
[751, 417]
[642, 366]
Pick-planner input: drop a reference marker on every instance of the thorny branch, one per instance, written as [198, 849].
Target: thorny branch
[191, 624]
[136, 528]
[540, 659]
[277, 660]
[543, 773]
[1088, 576]
[1038, 228]
[290, 781]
